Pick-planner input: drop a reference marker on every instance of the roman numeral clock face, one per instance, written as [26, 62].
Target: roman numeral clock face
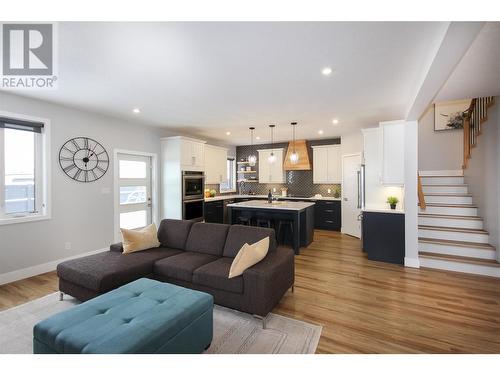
[83, 159]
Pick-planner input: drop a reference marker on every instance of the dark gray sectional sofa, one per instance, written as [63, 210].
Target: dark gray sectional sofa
[193, 255]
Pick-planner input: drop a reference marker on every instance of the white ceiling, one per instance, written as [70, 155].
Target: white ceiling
[478, 73]
[208, 78]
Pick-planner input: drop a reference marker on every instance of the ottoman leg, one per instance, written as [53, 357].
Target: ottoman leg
[61, 296]
[263, 318]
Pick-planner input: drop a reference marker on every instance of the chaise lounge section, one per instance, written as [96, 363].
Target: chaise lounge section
[194, 255]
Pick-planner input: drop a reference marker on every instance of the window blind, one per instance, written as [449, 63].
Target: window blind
[30, 126]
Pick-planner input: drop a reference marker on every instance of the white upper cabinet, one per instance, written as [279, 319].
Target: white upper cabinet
[192, 154]
[327, 164]
[215, 164]
[271, 172]
[393, 155]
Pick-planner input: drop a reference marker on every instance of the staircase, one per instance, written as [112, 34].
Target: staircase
[451, 235]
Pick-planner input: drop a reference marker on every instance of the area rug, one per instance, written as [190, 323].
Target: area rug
[234, 332]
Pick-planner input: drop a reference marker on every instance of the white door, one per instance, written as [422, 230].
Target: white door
[351, 166]
[133, 187]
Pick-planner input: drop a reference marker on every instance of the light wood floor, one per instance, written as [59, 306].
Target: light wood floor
[365, 306]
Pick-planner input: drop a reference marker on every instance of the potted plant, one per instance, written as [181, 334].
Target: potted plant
[393, 201]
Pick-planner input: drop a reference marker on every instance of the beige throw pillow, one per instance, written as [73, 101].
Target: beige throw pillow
[248, 256]
[141, 239]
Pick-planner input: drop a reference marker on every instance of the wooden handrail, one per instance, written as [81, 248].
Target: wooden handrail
[421, 197]
[474, 117]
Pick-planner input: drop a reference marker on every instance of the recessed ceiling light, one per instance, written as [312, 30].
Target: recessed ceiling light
[228, 133]
[136, 110]
[335, 121]
[320, 132]
[257, 138]
[326, 71]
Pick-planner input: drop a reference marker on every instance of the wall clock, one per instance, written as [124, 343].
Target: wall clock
[83, 159]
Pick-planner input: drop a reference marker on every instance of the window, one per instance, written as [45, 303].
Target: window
[230, 184]
[23, 158]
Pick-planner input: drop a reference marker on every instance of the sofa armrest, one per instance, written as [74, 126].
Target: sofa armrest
[118, 247]
[266, 282]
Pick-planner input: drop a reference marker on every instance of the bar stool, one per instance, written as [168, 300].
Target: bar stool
[244, 220]
[283, 225]
[261, 222]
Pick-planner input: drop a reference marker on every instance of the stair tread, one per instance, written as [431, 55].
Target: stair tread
[456, 243]
[448, 194]
[458, 217]
[448, 185]
[451, 205]
[458, 258]
[452, 229]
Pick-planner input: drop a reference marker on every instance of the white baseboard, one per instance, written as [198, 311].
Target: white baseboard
[412, 262]
[24, 273]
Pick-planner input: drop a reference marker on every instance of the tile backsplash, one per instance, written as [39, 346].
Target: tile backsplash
[298, 183]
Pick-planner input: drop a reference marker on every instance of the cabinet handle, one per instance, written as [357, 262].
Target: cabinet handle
[328, 210]
[329, 221]
[328, 202]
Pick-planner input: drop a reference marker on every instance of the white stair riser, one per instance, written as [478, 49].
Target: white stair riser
[453, 223]
[446, 172]
[454, 236]
[442, 180]
[460, 189]
[460, 267]
[448, 199]
[471, 252]
[462, 211]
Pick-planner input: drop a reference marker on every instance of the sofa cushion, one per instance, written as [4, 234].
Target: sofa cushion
[182, 266]
[238, 235]
[174, 233]
[108, 270]
[215, 275]
[207, 238]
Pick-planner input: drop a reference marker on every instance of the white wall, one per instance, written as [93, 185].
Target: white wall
[483, 174]
[441, 150]
[351, 143]
[81, 212]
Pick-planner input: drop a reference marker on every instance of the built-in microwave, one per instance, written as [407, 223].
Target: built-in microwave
[193, 185]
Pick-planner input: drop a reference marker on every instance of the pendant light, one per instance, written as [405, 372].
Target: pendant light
[272, 158]
[294, 156]
[252, 158]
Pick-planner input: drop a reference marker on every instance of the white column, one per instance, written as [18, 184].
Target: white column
[411, 196]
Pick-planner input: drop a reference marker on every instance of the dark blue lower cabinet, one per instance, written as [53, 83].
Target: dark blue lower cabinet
[384, 236]
[327, 215]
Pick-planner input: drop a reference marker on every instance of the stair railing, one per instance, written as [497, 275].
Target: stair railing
[421, 197]
[474, 117]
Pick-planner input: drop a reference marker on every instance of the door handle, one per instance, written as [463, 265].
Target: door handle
[345, 199]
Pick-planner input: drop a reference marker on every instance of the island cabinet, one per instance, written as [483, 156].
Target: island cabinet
[327, 215]
[383, 237]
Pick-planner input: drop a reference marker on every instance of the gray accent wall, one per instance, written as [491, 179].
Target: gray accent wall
[438, 150]
[483, 174]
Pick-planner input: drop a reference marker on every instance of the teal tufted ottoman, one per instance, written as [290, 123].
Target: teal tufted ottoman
[145, 316]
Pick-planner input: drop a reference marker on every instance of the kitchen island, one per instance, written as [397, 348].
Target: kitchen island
[301, 214]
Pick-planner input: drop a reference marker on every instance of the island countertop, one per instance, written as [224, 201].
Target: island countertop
[276, 205]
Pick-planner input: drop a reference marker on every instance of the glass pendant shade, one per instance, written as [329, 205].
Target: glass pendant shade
[294, 156]
[271, 158]
[252, 158]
